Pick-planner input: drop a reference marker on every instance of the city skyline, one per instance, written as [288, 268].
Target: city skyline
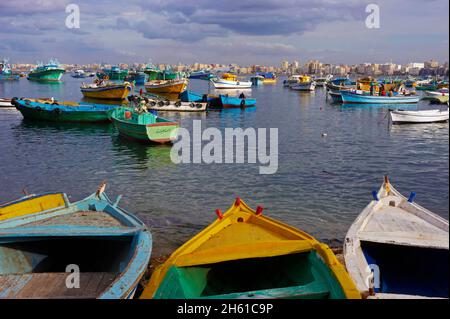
[246, 32]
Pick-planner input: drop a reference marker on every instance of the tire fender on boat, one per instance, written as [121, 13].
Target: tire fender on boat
[242, 103]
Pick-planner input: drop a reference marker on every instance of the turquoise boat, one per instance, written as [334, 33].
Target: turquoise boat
[257, 80]
[114, 73]
[52, 248]
[63, 111]
[6, 73]
[51, 71]
[363, 98]
[139, 78]
[229, 102]
[189, 96]
[201, 75]
[144, 126]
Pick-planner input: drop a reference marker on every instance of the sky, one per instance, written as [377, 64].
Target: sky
[245, 32]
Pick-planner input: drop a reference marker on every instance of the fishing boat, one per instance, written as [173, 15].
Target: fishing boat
[139, 78]
[52, 71]
[305, 83]
[166, 86]
[230, 102]
[269, 78]
[292, 80]
[230, 81]
[336, 97]
[321, 81]
[114, 73]
[361, 97]
[6, 103]
[62, 111]
[398, 249]
[101, 89]
[340, 83]
[441, 92]
[424, 116]
[79, 74]
[6, 73]
[257, 80]
[244, 255]
[166, 105]
[144, 126]
[201, 75]
[45, 238]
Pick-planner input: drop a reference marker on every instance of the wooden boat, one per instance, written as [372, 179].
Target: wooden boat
[341, 83]
[404, 244]
[425, 116]
[106, 90]
[52, 71]
[229, 102]
[190, 96]
[441, 92]
[114, 73]
[167, 105]
[361, 97]
[79, 74]
[305, 83]
[230, 81]
[143, 126]
[269, 78]
[336, 97]
[201, 75]
[166, 86]
[5, 72]
[6, 103]
[244, 254]
[291, 80]
[62, 111]
[139, 78]
[322, 81]
[257, 80]
[44, 238]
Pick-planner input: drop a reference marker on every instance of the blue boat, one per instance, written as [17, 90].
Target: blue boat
[6, 73]
[201, 75]
[228, 102]
[360, 97]
[189, 96]
[51, 248]
[63, 111]
[139, 78]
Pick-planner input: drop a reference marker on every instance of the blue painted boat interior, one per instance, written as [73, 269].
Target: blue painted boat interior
[409, 270]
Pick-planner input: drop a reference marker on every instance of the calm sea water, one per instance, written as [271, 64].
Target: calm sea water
[322, 183]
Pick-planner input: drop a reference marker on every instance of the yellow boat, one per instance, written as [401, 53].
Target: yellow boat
[109, 90]
[166, 86]
[33, 204]
[269, 81]
[244, 254]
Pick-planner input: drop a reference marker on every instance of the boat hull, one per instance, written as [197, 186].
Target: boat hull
[5, 103]
[62, 113]
[232, 102]
[431, 116]
[48, 75]
[166, 87]
[118, 92]
[304, 86]
[225, 84]
[351, 97]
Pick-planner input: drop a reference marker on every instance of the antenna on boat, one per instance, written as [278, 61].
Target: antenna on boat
[387, 185]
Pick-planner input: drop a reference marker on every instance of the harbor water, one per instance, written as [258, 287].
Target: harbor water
[331, 157]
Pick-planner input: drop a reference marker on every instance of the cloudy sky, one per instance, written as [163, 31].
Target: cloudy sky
[232, 31]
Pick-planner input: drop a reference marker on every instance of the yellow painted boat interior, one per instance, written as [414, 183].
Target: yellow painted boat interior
[241, 233]
[229, 77]
[31, 206]
[113, 94]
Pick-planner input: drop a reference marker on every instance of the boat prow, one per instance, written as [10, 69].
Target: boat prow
[398, 249]
[233, 257]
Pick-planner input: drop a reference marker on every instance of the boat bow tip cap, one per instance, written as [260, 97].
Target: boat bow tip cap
[237, 202]
[219, 214]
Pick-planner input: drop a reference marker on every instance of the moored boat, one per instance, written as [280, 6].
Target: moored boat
[361, 97]
[321, 81]
[6, 73]
[114, 73]
[79, 74]
[106, 90]
[45, 238]
[398, 249]
[62, 111]
[143, 126]
[424, 116]
[291, 80]
[441, 92]
[230, 102]
[230, 81]
[52, 71]
[244, 254]
[201, 75]
[6, 103]
[139, 78]
[167, 105]
[305, 83]
[269, 78]
[336, 97]
[257, 80]
[166, 86]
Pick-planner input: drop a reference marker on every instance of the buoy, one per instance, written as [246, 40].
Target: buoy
[127, 115]
[324, 134]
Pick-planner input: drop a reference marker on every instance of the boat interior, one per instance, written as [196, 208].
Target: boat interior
[302, 275]
[36, 267]
[407, 270]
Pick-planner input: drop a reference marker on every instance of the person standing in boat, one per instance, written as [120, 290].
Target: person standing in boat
[372, 88]
[382, 90]
[242, 95]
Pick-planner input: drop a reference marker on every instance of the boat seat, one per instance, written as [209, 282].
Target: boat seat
[53, 285]
[314, 290]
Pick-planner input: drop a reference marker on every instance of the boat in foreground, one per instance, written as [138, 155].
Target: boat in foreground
[106, 90]
[425, 116]
[244, 254]
[361, 97]
[44, 239]
[143, 126]
[398, 249]
[63, 111]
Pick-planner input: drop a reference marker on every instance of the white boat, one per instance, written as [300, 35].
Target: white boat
[6, 103]
[304, 83]
[441, 92]
[293, 79]
[230, 81]
[426, 116]
[322, 81]
[398, 249]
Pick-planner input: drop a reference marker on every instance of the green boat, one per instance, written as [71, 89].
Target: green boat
[155, 74]
[143, 126]
[114, 73]
[62, 111]
[51, 71]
